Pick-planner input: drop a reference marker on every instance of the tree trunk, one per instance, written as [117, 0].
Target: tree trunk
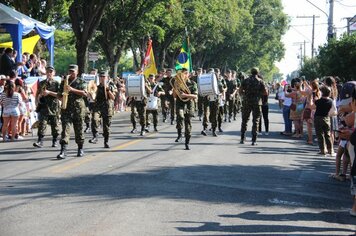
[82, 59]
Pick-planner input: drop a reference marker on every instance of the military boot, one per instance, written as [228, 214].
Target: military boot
[39, 143]
[143, 132]
[155, 128]
[220, 129]
[179, 138]
[80, 152]
[203, 132]
[254, 140]
[242, 140]
[54, 142]
[214, 133]
[106, 143]
[63, 153]
[94, 140]
[187, 139]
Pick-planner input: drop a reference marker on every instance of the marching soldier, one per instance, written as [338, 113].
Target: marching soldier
[89, 102]
[139, 106]
[222, 83]
[168, 99]
[73, 111]
[252, 90]
[48, 107]
[185, 109]
[103, 108]
[230, 93]
[157, 91]
[204, 104]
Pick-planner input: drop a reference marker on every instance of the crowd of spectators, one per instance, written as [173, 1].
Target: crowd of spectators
[327, 108]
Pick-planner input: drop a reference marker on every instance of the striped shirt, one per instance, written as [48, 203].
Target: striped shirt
[10, 103]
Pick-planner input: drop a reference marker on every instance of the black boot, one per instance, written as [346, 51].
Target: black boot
[87, 129]
[203, 132]
[80, 152]
[142, 131]
[134, 130]
[220, 129]
[94, 140]
[63, 153]
[54, 142]
[254, 140]
[187, 139]
[242, 141]
[106, 143]
[155, 128]
[39, 143]
[179, 138]
[214, 133]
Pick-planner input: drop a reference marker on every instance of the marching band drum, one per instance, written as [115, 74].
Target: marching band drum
[208, 85]
[135, 86]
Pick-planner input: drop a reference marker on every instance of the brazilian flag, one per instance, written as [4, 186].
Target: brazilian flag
[184, 59]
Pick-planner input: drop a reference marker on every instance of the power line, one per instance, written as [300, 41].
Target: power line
[301, 34]
[338, 1]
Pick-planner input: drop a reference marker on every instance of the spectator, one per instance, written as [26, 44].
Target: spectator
[313, 94]
[297, 107]
[10, 101]
[32, 65]
[286, 109]
[350, 134]
[7, 64]
[322, 121]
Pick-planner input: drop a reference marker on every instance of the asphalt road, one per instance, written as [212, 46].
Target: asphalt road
[152, 186]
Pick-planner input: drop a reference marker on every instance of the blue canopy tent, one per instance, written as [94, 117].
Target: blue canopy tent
[18, 25]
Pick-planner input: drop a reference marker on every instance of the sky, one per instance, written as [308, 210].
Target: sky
[301, 28]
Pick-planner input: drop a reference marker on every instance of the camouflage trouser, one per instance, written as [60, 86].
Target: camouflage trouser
[213, 116]
[205, 106]
[42, 125]
[154, 117]
[77, 121]
[201, 105]
[220, 115]
[237, 104]
[322, 131]
[88, 113]
[140, 108]
[256, 115]
[184, 116]
[229, 106]
[168, 104]
[95, 123]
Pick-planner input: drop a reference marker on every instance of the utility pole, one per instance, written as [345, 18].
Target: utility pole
[331, 20]
[313, 32]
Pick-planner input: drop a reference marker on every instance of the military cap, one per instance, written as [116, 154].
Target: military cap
[73, 67]
[49, 68]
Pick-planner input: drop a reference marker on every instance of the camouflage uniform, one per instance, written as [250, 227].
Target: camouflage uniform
[48, 110]
[103, 109]
[153, 112]
[185, 110]
[74, 114]
[139, 106]
[222, 85]
[237, 101]
[231, 87]
[167, 100]
[252, 90]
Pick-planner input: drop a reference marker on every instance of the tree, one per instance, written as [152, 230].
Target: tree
[85, 17]
[310, 69]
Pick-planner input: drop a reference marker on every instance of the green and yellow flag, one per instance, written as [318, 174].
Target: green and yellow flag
[184, 59]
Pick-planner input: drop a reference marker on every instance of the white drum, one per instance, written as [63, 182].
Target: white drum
[152, 103]
[135, 86]
[208, 85]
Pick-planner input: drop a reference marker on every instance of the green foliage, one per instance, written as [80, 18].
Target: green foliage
[64, 51]
[337, 58]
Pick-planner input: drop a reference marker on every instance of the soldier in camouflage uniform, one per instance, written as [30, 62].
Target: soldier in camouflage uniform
[168, 100]
[185, 110]
[48, 107]
[156, 90]
[200, 103]
[221, 83]
[74, 113]
[103, 108]
[252, 90]
[138, 105]
[230, 93]
[237, 104]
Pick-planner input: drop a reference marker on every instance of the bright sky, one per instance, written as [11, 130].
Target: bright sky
[301, 29]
